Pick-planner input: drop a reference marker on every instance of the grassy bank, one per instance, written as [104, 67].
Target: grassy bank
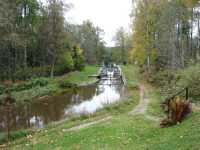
[122, 107]
[123, 131]
[49, 86]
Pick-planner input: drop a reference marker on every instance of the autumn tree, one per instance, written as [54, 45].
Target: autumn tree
[163, 33]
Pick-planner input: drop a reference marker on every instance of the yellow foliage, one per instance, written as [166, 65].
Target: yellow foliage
[139, 56]
[190, 3]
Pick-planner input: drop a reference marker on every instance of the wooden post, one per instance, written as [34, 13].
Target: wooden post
[168, 110]
[187, 93]
[8, 110]
[8, 124]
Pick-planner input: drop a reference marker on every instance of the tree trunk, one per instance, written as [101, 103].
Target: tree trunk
[148, 64]
[191, 34]
[25, 57]
[52, 68]
[198, 40]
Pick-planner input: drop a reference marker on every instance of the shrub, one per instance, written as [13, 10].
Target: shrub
[163, 78]
[65, 65]
[41, 82]
[2, 89]
[23, 74]
[36, 72]
[190, 77]
[66, 84]
[178, 109]
[37, 82]
[15, 135]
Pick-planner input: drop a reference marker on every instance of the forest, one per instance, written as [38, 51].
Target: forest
[166, 33]
[36, 40]
[166, 42]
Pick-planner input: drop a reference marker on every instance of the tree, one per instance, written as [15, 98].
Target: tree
[27, 21]
[120, 42]
[78, 58]
[53, 34]
[123, 42]
[69, 62]
[89, 38]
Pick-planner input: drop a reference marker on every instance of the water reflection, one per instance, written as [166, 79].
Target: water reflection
[79, 101]
[105, 94]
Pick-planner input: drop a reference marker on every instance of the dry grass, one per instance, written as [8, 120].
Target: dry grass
[178, 109]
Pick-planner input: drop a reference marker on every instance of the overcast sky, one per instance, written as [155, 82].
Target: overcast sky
[107, 14]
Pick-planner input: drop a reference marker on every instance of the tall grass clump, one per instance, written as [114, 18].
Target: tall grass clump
[177, 110]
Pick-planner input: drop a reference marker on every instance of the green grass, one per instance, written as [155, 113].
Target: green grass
[53, 86]
[132, 75]
[154, 107]
[82, 77]
[122, 132]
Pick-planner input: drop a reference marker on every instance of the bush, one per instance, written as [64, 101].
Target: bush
[14, 135]
[23, 74]
[40, 82]
[190, 77]
[163, 78]
[65, 65]
[67, 84]
[36, 72]
[2, 89]
[172, 82]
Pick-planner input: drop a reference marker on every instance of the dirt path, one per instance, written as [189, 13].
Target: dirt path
[141, 108]
[82, 126]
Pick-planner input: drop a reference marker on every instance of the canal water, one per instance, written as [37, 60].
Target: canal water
[80, 101]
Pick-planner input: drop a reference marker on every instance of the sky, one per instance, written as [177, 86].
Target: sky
[109, 15]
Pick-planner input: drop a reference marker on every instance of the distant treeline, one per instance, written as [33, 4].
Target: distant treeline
[36, 40]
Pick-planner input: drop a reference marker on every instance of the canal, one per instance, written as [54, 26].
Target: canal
[78, 101]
